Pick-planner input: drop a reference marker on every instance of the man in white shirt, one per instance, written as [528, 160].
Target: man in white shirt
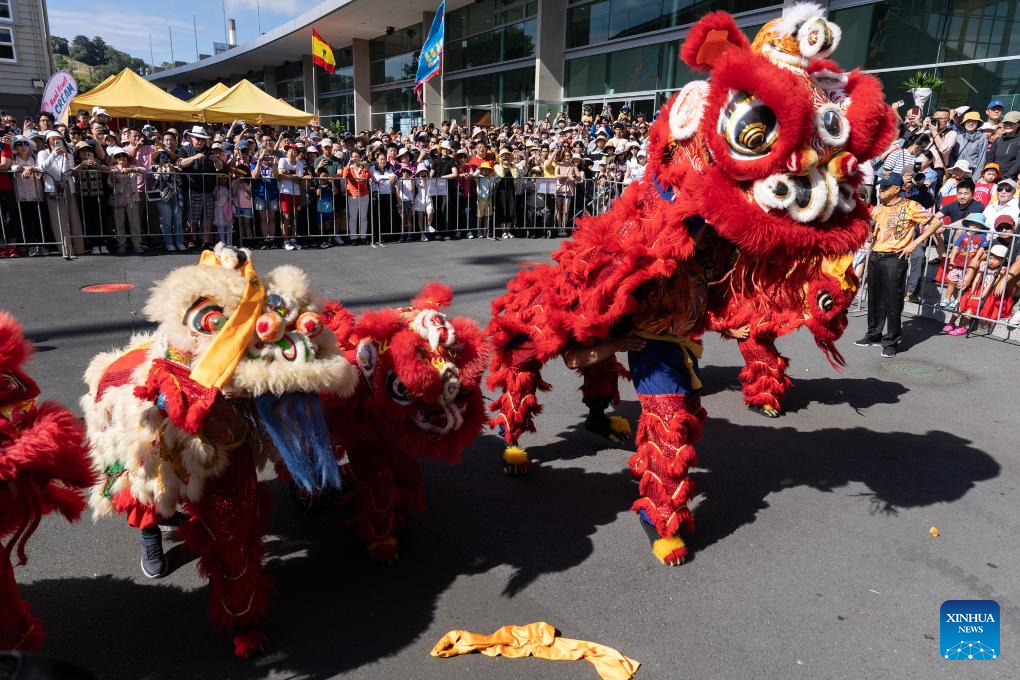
[291, 167]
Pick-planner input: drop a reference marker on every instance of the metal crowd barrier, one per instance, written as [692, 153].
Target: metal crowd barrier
[101, 211]
[940, 289]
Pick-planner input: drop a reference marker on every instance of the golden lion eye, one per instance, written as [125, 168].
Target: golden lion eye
[748, 125]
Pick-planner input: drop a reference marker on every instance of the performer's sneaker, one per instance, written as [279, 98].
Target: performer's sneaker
[169, 525]
[765, 410]
[153, 560]
[866, 342]
[889, 352]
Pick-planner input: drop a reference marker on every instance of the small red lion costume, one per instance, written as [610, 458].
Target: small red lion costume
[745, 215]
[44, 468]
[419, 396]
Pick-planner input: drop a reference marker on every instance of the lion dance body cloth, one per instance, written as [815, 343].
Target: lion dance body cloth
[187, 415]
[748, 214]
[418, 396]
[43, 468]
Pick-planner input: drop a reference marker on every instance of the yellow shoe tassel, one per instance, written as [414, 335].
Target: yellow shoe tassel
[619, 428]
[541, 641]
[664, 546]
[515, 455]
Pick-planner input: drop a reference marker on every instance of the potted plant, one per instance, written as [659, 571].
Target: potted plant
[920, 85]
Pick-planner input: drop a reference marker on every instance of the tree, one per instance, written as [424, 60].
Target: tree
[59, 45]
[88, 51]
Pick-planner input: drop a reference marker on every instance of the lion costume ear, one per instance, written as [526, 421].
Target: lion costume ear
[708, 39]
[433, 295]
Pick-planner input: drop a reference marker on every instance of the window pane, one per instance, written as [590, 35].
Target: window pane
[977, 84]
[586, 76]
[982, 30]
[633, 70]
[5, 10]
[899, 32]
[519, 40]
[631, 17]
[6, 52]
[588, 24]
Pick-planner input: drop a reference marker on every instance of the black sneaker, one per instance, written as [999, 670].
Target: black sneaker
[153, 560]
[169, 525]
[888, 352]
[866, 342]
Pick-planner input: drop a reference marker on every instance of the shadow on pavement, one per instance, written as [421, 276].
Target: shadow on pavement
[334, 610]
[857, 393]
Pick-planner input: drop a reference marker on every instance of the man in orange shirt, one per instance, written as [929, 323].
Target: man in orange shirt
[894, 225]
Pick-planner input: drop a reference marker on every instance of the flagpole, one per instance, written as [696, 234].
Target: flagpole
[315, 96]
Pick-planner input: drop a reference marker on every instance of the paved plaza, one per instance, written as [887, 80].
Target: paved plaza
[812, 559]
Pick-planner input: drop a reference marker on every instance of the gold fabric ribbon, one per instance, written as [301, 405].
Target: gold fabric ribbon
[216, 366]
[540, 641]
[692, 351]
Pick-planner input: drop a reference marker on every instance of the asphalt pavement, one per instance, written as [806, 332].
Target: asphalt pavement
[812, 559]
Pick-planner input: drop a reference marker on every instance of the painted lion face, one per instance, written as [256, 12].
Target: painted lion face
[767, 148]
[289, 349]
[421, 371]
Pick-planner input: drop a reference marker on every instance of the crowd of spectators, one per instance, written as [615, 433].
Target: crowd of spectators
[99, 188]
[95, 187]
[945, 212]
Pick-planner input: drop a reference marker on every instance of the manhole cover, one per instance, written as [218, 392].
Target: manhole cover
[107, 287]
[916, 371]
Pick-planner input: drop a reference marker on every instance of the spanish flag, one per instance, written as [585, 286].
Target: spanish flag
[322, 53]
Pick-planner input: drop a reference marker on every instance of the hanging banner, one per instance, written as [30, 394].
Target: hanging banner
[58, 93]
[431, 59]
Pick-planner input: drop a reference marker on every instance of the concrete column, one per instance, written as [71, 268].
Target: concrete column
[269, 76]
[432, 94]
[362, 85]
[308, 71]
[549, 67]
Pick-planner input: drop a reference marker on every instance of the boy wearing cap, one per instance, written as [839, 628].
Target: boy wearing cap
[1006, 149]
[894, 223]
[968, 247]
[984, 187]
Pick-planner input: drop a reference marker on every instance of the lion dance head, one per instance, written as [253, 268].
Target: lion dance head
[421, 371]
[767, 147]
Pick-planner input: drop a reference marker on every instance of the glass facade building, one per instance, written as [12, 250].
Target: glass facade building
[508, 60]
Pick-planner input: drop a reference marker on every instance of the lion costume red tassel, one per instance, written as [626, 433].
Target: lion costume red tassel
[745, 216]
[418, 397]
[44, 468]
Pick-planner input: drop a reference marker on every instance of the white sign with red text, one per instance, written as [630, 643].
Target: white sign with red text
[59, 92]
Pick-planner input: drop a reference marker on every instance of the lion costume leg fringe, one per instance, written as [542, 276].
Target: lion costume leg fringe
[226, 530]
[763, 378]
[669, 426]
[516, 407]
[20, 630]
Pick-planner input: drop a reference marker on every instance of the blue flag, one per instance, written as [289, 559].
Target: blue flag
[431, 59]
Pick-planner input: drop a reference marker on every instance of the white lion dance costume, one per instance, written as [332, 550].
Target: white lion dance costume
[186, 416]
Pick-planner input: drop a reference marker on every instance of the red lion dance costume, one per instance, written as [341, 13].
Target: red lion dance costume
[418, 396]
[747, 215]
[187, 415]
[44, 467]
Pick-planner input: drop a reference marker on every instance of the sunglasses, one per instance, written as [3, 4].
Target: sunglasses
[1007, 189]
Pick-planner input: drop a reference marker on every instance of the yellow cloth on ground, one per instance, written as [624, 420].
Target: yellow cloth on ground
[541, 641]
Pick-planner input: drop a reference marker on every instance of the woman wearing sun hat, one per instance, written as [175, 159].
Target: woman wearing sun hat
[971, 145]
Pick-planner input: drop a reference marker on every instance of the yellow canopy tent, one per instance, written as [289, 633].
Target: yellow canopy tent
[213, 92]
[128, 95]
[246, 102]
